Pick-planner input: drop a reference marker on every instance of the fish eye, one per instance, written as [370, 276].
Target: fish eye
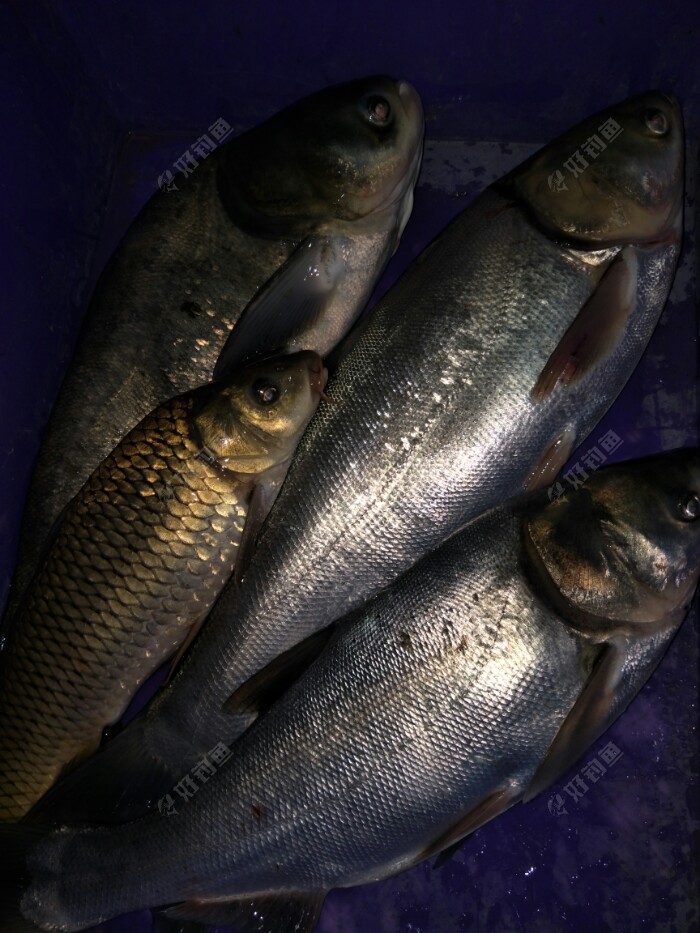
[689, 507]
[265, 392]
[656, 121]
[377, 109]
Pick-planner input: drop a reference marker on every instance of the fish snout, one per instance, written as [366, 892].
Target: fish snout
[410, 97]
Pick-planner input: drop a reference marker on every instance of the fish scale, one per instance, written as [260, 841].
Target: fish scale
[130, 299]
[113, 620]
[434, 420]
[339, 533]
[190, 263]
[366, 760]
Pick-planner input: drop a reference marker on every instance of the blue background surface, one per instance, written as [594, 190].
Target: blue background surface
[99, 98]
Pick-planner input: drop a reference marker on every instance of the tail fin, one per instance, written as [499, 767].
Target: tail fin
[120, 783]
[16, 844]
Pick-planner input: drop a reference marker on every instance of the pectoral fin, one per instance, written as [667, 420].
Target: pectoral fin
[259, 693]
[261, 501]
[287, 912]
[192, 633]
[291, 302]
[551, 461]
[491, 806]
[588, 719]
[597, 329]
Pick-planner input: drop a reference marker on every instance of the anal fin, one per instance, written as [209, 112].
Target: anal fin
[117, 784]
[286, 912]
[596, 330]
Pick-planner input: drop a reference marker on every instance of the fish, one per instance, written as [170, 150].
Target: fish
[319, 194]
[137, 561]
[464, 688]
[470, 383]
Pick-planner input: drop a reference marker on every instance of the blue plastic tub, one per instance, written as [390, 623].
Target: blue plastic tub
[101, 98]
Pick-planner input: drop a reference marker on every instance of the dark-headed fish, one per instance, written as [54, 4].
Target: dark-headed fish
[323, 190]
[467, 686]
[138, 559]
[478, 373]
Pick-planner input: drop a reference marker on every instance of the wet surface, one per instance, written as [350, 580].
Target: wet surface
[610, 845]
[613, 845]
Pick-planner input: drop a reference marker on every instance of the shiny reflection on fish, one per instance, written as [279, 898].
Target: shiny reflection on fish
[137, 560]
[471, 382]
[323, 182]
[468, 685]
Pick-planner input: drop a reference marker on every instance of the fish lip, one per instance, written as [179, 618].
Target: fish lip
[410, 97]
[413, 106]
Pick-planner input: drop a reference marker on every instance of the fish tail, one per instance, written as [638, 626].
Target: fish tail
[17, 842]
[120, 783]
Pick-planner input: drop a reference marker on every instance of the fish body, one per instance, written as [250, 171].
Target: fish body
[439, 412]
[136, 563]
[322, 173]
[437, 706]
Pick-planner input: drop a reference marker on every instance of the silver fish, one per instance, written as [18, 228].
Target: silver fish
[467, 686]
[320, 192]
[474, 378]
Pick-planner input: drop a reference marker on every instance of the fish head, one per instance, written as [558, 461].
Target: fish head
[621, 554]
[615, 178]
[346, 158]
[254, 421]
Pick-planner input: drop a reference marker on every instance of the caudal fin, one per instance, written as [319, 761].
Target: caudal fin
[120, 783]
[16, 844]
